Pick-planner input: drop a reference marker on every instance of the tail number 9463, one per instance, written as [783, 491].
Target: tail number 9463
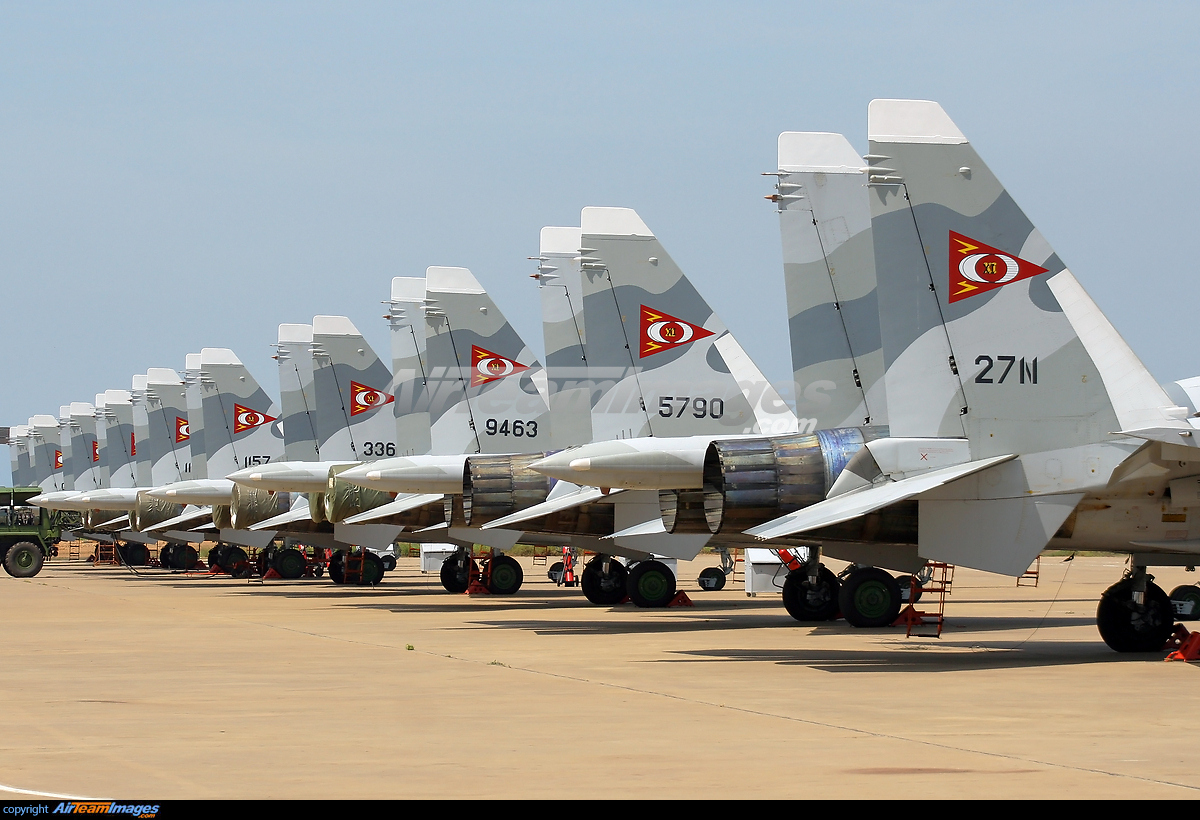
[504, 427]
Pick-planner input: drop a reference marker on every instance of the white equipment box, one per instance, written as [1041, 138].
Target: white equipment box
[434, 555]
[765, 572]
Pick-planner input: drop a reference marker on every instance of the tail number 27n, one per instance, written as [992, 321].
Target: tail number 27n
[995, 371]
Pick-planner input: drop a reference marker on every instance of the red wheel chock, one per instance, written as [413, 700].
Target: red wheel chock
[681, 599]
[1186, 645]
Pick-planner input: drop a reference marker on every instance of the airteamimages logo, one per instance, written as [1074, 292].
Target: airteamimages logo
[977, 268]
[245, 419]
[661, 331]
[107, 807]
[487, 366]
[363, 398]
[182, 431]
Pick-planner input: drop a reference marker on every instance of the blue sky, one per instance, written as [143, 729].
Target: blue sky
[177, 176]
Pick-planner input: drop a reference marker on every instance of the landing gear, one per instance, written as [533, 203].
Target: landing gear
[603, 581]
[1135, 615]
[372, 569]
[556, 572]
[504, 575]
[389, 562]
[164, 556]
[1186, 601]
[179, 556]
[806, 599]
[458, 571]
[134, 555]
[869, 598]
[650, 584]
[910, 587]
[24, 559]
[337, 568]
[290, 563]
[712, 579]
[236, 562]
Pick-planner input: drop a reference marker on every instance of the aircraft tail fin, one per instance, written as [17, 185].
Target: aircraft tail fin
[164, 446]
[119, 446]
[85, 447]
[986, 334]
[241, 426]
[293, 353]
[561, 288]
[351, 384]
[667, 364]
[490, 390]
[410, 379]
[829, 274]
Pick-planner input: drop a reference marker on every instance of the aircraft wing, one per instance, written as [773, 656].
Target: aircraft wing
[852, 505]
[563, 501]
[401, 505]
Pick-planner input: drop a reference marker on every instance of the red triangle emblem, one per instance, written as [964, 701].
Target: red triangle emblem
[363, 398]
[487, 366]
[95, 451]
[182, 431]
[245, 419]
[58, 462]
[977, 268]
[662, 331]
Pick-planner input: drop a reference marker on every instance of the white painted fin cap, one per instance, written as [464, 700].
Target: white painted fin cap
[561, 241]
[140, 381]
[301, 334]
[333, 326]
[818, 152]
[43, 420]
[919, 121]
[612, 222]
[218, 355]
[452, 280]
[116, 397]
[191, 361]
[408, 288]
[82, 408]
[162, 375]
[18, 430]
[64, 412]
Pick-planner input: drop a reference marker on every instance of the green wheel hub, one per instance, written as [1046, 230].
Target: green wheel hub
[872, 599]
[503, 576]
[652, 585]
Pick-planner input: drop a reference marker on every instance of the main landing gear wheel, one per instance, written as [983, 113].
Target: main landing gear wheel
[134, 555]
[290, 563]
[237, 562]
[907, 584]
[1129, 627]
[651, 584]
[372, 570]
[164, 556]
[870, 597]
[24, 559]
[711, 579]
[1186, 601]
[337, 568]
[806, 601]
[456, 577]
[505, 575]
[602, 589]
[214, 558]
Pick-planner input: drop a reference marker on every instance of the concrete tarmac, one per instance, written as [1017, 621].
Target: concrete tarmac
[161, 685]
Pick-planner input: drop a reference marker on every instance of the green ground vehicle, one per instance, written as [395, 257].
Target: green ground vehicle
[28, 534]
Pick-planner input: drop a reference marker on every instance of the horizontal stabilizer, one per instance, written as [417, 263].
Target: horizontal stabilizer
[1184, 436]
[565, 501]
[187, 517]
[852, 505]
[402, 504]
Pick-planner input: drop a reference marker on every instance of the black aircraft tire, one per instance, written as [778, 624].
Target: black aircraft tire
[556, 572]
[136, 555]
[337, 568]
[1189, 593]
[601, 590]
[711, 579]
[24, 559]
[906, 587]
[389, 562]
[372, 570]
[454, 579]
[651, 584]
[506, 575]
[869, 598]
[290, 563]
[165, 559]
[811, 603]
[1126, 627]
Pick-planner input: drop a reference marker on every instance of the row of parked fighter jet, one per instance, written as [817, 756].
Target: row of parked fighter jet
[958, 398]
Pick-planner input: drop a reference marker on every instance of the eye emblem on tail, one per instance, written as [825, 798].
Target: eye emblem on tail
[244, 418]
[977, 268]
[182, 431]
[132, 445]
[661, 331]
[363, 398]
[487, 366]
[58, 463]
[95, 451]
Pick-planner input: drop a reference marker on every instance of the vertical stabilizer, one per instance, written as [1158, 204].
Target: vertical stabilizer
[354, 421]
[85, 447]
[666, 364]
[18, 449]
[167, 434]
[120, 442]
[297, 398]
[46, 453]
[195, 414]
[241, 426]
[66, 457]
[568, 380]
[489, 390]
[829, 273]
[410, 382]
